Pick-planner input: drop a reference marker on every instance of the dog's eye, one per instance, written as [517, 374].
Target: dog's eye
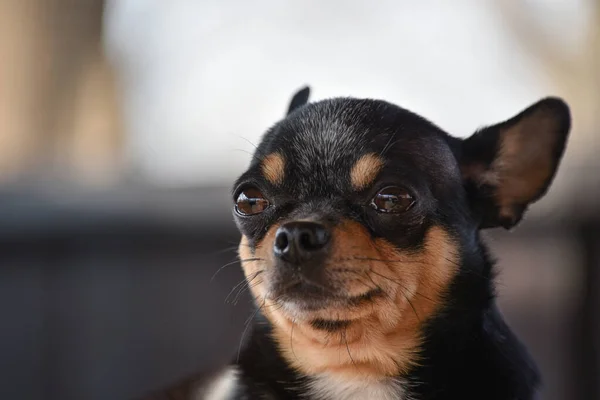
[392, 199]
[251, 201]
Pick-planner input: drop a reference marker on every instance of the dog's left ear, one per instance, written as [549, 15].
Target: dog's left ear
[510, 165]
[299, 99]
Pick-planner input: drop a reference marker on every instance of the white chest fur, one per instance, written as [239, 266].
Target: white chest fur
[333, 388]
[324, 387]
[221, 388]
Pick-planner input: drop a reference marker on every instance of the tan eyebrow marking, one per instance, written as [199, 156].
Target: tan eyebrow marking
[365, 170]
[273, 168]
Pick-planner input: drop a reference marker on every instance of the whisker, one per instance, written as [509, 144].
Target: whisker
[260, 153]
[248, 141]
[377, 286]
[369, 288]
[236, 244]
[244, 289]
[234, 288]
[292, 338]
[401, 261]
[411, 305]
[402, 291]
[452, 262]
[221, 251]
[242, 282]
[275, 307]
[246, 328]
[232, 263]
[388, 144]
[348, 347]
[244, 151]
[399, 283]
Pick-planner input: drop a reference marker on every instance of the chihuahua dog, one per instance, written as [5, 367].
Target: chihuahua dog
[361, 245]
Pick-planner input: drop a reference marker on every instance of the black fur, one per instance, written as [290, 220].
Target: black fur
[469, 351]
[265, 375]
[299, 99]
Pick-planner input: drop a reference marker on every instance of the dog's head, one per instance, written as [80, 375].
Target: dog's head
[356, 216]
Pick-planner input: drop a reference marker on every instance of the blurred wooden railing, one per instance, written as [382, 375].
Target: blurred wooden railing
[58, 106]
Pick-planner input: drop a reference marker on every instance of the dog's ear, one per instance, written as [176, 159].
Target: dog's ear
[299, 99]
[510, 165]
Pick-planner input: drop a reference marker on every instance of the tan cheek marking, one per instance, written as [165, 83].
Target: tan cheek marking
[256, 264]
[365, 170]
[385, 335]
[273, 168]
[250, 266]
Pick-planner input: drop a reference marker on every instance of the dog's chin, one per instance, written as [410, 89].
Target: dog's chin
[305, 297]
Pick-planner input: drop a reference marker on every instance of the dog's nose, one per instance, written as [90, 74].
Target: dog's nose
[296, 242]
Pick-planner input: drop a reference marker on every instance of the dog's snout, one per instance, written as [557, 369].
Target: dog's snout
[296, 242]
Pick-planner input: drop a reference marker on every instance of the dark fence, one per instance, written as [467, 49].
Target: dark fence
[112, 296]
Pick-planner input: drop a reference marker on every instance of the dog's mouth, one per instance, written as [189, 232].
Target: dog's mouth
[304, 295]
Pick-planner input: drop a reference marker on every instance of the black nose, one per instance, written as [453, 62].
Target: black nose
[296, 242]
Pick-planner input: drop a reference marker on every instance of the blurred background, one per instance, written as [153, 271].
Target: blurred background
[123, 124]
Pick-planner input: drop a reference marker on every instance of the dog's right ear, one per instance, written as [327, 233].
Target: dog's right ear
[299, 99]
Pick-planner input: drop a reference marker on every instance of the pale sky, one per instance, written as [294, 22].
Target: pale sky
[202, 79]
